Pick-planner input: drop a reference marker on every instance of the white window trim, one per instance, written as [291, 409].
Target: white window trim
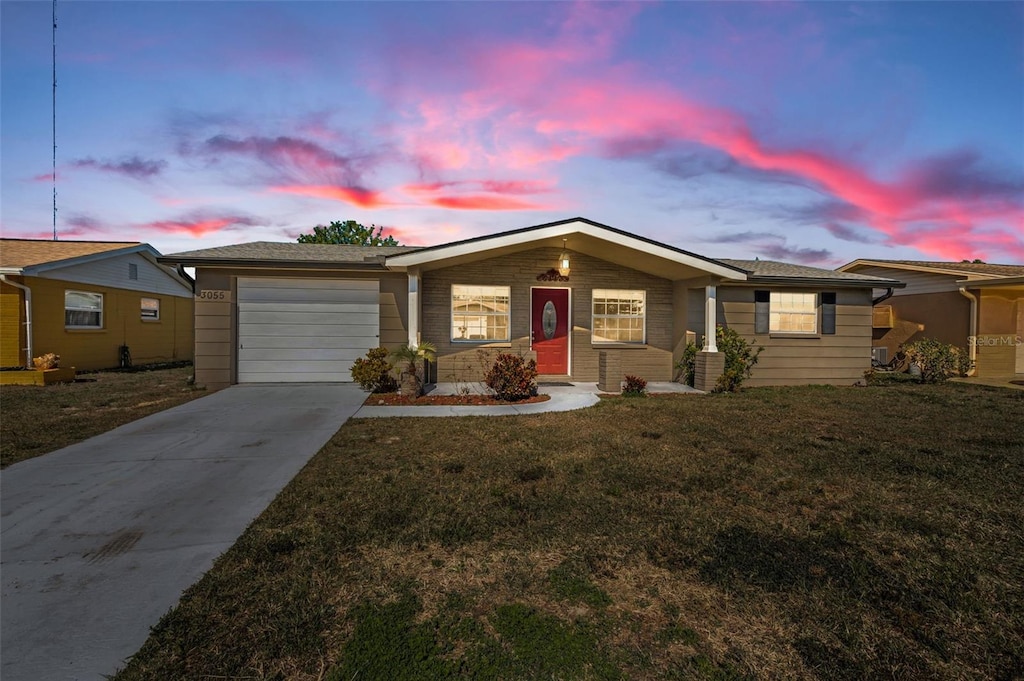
[80, 309]
[594, 315]
[144, 317]
[815, 314]
[451, 317]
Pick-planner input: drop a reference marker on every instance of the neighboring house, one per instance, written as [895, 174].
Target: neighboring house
[304, 312]
[87, 300]
[975, 306]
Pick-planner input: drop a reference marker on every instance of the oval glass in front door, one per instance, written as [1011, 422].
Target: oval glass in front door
[549, 320]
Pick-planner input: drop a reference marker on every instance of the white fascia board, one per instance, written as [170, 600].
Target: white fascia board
[557, 231]
[11, 270]
[92, 257]
[913, 268]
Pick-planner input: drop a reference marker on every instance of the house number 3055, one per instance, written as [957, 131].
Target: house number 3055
[214, 295]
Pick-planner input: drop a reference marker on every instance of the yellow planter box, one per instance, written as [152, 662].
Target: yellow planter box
[38, 377]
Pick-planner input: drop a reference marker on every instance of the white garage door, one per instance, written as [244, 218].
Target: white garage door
[304, 330]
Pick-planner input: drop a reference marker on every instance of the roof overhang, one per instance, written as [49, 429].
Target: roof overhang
[951, 271]
[991, 283]
[248, 263]
[580, 236]
[819, 282]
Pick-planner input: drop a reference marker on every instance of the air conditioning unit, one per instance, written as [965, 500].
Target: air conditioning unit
[879, 356]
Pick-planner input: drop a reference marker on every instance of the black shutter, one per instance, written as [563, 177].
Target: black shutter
[828, 313]
[761, 304]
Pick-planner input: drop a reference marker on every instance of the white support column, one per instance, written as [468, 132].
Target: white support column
[414, 307]
[710, 318]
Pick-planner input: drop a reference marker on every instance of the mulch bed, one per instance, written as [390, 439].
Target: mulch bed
[396, 400]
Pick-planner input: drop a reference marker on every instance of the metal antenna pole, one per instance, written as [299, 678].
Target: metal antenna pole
[54, 120]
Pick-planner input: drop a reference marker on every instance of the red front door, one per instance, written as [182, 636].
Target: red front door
[550, 315]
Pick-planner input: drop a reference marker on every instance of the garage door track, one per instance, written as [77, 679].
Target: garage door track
[98, 540]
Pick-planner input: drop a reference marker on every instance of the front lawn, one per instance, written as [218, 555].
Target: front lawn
[40, 419]
[826, 533]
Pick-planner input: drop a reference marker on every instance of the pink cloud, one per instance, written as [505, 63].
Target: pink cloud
[197, 225]
[518, 104]
[356, 196]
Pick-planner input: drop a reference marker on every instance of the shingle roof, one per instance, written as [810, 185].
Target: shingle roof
[967, 268]
[18, 253]
[277, 252]
[785, 270]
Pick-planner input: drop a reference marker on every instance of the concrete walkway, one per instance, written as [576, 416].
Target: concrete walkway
[100, 539]
[567, 397]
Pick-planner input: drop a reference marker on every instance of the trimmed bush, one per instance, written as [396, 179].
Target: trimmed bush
[938, 361]
[740, 358]
[512, 378]
[634, 386]
[374, 372]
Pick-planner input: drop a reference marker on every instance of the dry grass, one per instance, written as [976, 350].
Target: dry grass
[35, 420]
[779, 533]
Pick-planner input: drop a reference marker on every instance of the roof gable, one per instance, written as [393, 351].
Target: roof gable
[580, 235]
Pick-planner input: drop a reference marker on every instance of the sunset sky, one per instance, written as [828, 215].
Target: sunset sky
[807, 132]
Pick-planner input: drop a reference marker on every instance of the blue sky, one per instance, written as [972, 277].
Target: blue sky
[807, 132]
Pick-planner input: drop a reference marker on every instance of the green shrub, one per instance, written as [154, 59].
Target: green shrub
[938, 361]
[634, 386]
[512, 378]
[688, 364]
[740, 358]
[374, 372]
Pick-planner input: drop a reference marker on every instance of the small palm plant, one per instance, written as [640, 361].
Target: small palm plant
[408, 358]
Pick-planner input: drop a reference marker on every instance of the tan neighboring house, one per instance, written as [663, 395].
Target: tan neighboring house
[975, 306]
[579, 297]
[89, 300]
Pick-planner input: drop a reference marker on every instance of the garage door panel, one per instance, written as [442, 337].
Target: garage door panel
[300, 354]
[304, 342]
[294, 331]
[311, 307]
[304, 330]
[323, 295]
[289, 319]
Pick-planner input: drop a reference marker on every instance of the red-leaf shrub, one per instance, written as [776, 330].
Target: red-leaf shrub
[512, 378]
[634, 386]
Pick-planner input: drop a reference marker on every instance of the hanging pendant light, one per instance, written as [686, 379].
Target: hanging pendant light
[563, 261]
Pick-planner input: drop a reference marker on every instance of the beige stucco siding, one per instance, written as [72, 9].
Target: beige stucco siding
[12, 325]
[216, 336]
[167, 339]
[840, 358]
[519, 271]
[1000, 331]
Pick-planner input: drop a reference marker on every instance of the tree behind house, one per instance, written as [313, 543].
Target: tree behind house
[348, 232]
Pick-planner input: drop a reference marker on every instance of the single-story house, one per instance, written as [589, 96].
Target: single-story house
[96, 304]
[972, 305]
[564, 293]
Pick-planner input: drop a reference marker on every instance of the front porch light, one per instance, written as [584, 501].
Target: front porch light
[563, 261]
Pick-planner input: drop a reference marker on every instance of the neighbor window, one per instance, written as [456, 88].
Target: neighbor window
[618, 316]
[83, 310]
[151, 308]
[793, 312]
[480, 313]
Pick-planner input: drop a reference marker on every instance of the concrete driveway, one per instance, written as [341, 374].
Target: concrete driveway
[98, 540]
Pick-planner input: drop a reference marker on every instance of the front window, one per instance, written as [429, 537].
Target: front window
[480, 313]
[83, 310]
[793, 312]
[618, 316]
[150, 308]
